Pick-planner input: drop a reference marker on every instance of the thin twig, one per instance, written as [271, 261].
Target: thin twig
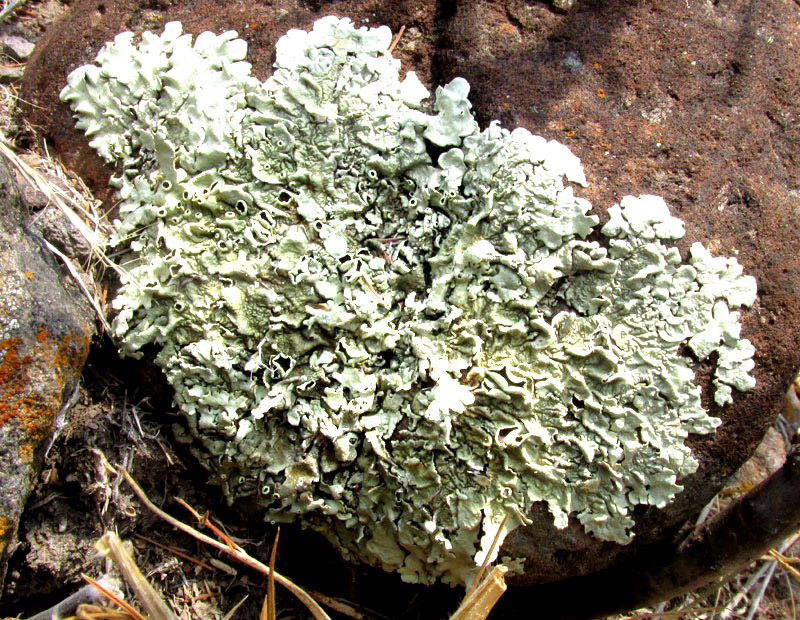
[476, 582]
[396, 39]
[10, 8]
[756, 602]
[236, 552]
[175, 551]
[339, 606]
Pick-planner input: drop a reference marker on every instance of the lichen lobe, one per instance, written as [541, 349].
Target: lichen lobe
[397, 350]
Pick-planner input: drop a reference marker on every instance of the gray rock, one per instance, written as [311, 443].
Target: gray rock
[16, 47]
[62, 233]
[45, 331]
[11, 73]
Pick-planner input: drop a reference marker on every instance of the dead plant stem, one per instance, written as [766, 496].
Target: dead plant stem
[231, 549]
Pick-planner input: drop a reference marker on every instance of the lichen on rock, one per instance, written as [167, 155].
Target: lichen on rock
[398, 351]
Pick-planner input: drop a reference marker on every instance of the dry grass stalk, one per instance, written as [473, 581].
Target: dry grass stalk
[397, 38]
[110, 545]
[268, 611]
[481, 596]
[75, 273]
[9, 8]
[228, 547]
[129, 609]
[230, 614]
[339, 606]
[79, 209]
[786, 563]
[482, 570]
[674, 614]
[480, 601]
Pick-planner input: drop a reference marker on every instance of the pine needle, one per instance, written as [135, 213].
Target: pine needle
[230, 614]
[271, 612]
[117, 600]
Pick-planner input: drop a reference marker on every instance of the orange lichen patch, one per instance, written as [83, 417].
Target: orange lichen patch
[32, 384]
[506, 27]
[5, 533]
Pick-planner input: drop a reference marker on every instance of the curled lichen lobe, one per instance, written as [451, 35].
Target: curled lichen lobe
[400, 350]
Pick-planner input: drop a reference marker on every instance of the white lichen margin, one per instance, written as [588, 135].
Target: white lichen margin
[398, 351]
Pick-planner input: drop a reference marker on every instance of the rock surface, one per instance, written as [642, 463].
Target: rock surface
[689, 100]
[45, 331]
[16, 47]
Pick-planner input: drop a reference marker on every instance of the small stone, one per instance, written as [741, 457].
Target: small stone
[16, 47]
[11, 74]
[56, 227]
[564, 6]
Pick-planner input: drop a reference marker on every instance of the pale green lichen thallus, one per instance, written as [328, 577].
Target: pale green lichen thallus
[395, 350]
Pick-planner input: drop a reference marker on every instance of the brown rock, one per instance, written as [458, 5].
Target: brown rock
[44, 339]
[767, 459]
[694, 101]
[77, 38]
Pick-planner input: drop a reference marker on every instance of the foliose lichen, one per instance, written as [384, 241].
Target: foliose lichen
[396, 350]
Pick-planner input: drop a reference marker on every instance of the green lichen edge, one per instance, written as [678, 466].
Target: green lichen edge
[397, 351]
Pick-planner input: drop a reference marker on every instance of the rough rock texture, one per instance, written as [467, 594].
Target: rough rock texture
[694, 101]
[693, 104]
[44, 339]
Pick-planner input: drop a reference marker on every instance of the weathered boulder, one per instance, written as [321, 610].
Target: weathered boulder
[45, 330]
[689, 100]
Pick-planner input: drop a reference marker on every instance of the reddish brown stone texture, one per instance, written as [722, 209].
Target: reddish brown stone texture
[77, 38]
[694, 101]
[690, 99]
